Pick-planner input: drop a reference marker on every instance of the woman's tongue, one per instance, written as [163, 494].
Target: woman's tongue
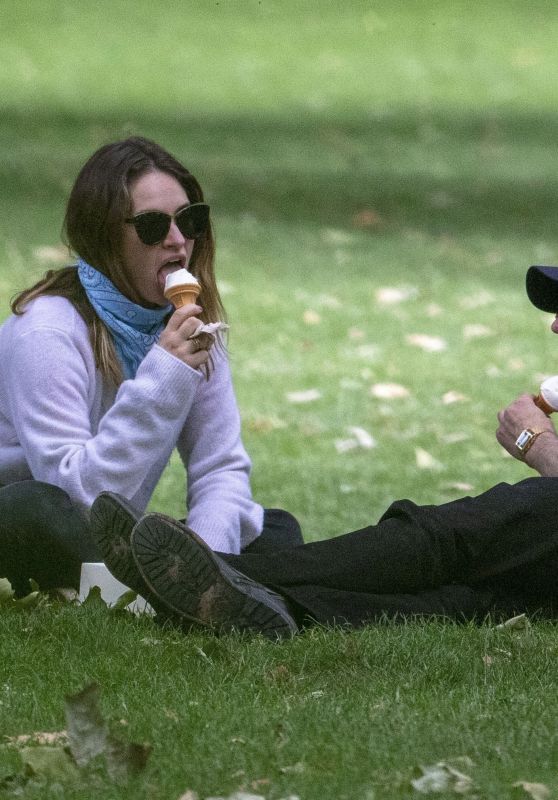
[171, 266]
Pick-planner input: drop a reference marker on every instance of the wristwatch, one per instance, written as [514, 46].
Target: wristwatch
[526, 438]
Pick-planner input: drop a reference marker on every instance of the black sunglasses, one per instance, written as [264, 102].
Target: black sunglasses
[153, 226]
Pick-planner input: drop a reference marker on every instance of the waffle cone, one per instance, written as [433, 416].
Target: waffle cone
[183, 295]
[543, 405]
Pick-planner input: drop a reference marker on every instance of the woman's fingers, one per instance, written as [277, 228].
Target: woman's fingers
[203, 341]
[177, 337]
[182, 316]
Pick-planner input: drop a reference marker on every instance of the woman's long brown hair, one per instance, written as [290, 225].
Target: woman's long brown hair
[97, 207]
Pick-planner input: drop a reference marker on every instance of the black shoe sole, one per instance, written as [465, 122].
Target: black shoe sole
[189, 578]
[112, 522]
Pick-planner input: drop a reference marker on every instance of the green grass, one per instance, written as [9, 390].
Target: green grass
[330, 714]
[439, 121]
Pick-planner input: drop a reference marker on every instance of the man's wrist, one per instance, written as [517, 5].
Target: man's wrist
[542, 454]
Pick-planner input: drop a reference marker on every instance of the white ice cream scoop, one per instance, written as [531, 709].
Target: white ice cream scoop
[181, 288]
[547, 398]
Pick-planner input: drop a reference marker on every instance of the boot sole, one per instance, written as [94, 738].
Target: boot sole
[111, 526]
[193, 581]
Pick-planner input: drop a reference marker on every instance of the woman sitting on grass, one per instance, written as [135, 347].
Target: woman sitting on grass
[101, 381]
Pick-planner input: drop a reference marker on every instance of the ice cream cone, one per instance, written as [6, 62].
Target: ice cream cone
[547, 399]
[183, 295]
[543, 405]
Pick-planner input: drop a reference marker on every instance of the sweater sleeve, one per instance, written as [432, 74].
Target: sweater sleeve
[220, 505]
[51, 393]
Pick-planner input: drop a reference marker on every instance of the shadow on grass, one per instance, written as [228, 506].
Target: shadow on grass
[446, 174]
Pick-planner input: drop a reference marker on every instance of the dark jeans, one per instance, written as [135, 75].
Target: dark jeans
[44, 536]
[496, 553]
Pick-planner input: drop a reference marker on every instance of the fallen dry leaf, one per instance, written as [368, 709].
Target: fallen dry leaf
[476, 331]
[359, 438]
[38, 738]
[311, 317]
[89, 736]
[52, 255]
[442, 777]
[459, 486]
[391, 295]
[430, 344]
[239, 796]
[265, 424]
[538, 791]
[363, 438]
[487, 660]
[65, 594]
[87, 730]
[188, 795]
[306, 396]
[424, 460]
[520, 622]
[453, 397]
[389, 391]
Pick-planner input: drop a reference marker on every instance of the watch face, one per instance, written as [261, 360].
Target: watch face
[523, 438]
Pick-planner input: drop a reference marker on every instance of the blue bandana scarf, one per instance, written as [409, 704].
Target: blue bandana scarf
[134, 329]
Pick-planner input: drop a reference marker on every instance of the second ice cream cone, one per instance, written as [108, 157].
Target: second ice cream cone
[547, 398]
[543, 405]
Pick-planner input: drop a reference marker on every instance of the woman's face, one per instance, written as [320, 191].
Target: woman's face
[147, 266]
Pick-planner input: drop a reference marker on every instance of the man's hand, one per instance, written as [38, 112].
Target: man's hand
[521, 414]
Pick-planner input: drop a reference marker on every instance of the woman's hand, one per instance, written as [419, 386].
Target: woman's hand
[521, 414]
[175, 338]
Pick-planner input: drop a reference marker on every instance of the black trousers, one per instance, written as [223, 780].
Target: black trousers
[496, 553]
[44, 536]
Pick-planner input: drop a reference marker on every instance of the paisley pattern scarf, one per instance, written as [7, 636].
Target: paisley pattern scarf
[134, 329]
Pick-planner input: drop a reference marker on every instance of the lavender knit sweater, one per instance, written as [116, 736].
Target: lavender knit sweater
[62, 424]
